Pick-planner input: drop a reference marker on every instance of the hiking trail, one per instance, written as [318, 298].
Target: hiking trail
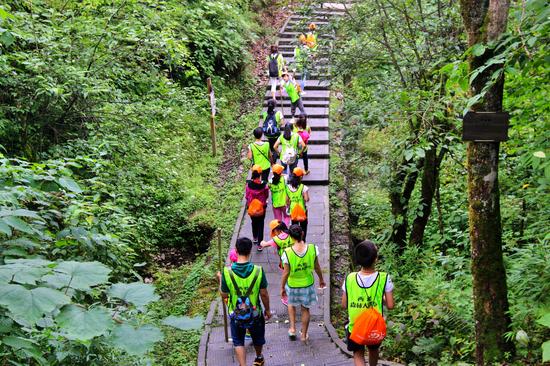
[324, 346]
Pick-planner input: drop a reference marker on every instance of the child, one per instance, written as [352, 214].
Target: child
[298, 194]
[291, 145]
[275, 67]
[298, 283]
[358, 288]
[302, 61]
[260, 153]
[277, 186]
[292, 89]
[280, 238]
[256, 189]
[301, 128]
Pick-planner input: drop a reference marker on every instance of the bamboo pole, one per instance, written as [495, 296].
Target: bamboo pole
[220, 260]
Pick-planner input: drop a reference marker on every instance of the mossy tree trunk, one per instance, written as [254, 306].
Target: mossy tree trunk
[485, 21]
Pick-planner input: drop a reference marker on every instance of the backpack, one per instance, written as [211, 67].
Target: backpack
[291, 154]
[311, 40]
[298, 213]
[244, 314]
[270, 125]
[369, 328]
[256, 208]
[273, 66]
[304, 135]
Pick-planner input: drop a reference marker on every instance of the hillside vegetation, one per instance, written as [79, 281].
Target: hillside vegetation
[107, 170]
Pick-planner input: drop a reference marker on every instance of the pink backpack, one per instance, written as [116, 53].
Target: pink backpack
[304, 135]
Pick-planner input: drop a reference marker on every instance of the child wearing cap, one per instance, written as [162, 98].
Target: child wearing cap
[279, 238]
[260, 153]
[256, 188]
[277, 186]
[292, 89]
[298, 194]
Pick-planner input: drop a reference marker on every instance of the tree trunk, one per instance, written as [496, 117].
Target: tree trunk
[427, 191]
[403, 186]
[485, 21]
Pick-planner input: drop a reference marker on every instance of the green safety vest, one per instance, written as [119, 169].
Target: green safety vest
[244, 284]
[285, 144]
[358, 297]
[282, 244]
[301, 268]
[296, 198]
[260, 155]
[291, 91]
[278, 193]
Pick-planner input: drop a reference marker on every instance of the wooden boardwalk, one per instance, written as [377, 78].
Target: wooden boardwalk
[324, 348]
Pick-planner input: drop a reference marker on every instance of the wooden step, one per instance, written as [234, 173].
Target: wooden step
[319, 172]
[318, 124]
[307, 103]
[311, 85]
[310, 95]
[318, 151]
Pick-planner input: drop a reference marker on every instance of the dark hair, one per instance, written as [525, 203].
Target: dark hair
[270, 106]
[243, 246]
[288, 132]
[276, 178]
[255, 175]
[366, 253]
[274, 49]
[258, 132]
[301, 122]
[295, 231]
[282, 227]
[294, 181]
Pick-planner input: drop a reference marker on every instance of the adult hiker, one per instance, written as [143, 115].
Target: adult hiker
[260, 153]
[280, 238]
[297, 283]
[256, 194]
[277, 187]
[275, 68]
[243, 285]
[302, 60]
[298, 196]
[365, 292]
[302, 128]
[272, 122]
[291, 146]
[293, 91]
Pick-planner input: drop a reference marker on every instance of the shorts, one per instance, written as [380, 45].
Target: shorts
[353, 347]
[274, 83]
[301, 296]
[257, 333]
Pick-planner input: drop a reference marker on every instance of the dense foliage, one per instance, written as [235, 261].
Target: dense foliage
[405, 87]
[104, 123]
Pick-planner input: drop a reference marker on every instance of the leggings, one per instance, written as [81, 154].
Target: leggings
[258, 228]
[280, 213]
[303, 225]
[300, 104]
[306, 160]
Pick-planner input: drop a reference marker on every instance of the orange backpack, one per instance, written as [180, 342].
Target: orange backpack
[298, 213]
[256, 208]
[369, 328]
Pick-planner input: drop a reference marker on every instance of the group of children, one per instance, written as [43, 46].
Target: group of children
[244, 285]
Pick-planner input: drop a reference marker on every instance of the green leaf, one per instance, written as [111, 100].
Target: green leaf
[546, 351]
[478, 49]
[545, 320]
[5, 228]
[70, 184]
[30, 305]
[4, 14]
[24, 271]
[137, 293]
[77, 323]
[78, 275]
[184, 322]
[21, 213]
[18, 224]
[5, 325]
[135, 341]
[539, 154]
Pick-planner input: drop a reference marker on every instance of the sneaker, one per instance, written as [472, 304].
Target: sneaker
[259, 361]
[247, 337]
[260, 248]
[307, 172]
